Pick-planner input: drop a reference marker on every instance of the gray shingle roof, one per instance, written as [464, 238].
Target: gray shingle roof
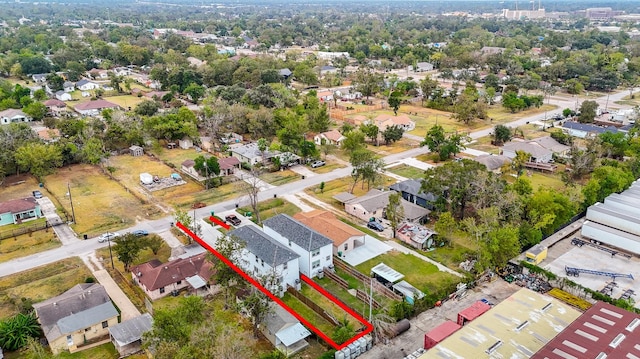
[79, 307]
[297, 232]
[263, 246]
[131, 330]
[413, 187]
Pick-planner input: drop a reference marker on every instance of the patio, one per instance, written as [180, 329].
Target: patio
[371, 248]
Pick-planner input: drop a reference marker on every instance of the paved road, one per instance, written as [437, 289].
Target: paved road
[78, 247]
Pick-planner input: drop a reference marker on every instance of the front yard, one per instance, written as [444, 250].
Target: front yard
[407, 171]
[278, 178]
[270, 208]
[27, 244]
[331, 188]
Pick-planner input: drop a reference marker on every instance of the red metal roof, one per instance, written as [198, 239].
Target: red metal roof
[603, 328]
[442, 331]
[475, 310]
[18, 205]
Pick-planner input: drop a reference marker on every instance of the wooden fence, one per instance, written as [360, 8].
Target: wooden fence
[316, 308]
[364, 297]
[24, 229]
[377, 286]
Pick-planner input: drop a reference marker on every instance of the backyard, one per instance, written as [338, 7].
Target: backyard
[100, 203]
[175, 156]
[126, 101]
[38, 284]
[422, 275]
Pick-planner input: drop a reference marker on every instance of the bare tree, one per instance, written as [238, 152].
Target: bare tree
[251, 186]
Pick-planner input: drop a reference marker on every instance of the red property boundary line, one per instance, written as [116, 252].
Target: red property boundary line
[369, 326]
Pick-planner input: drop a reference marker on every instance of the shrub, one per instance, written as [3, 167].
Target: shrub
[90, 280]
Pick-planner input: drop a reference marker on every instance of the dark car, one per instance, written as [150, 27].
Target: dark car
[37, 194]
[140, 233]
[375, 226]
[233, 219]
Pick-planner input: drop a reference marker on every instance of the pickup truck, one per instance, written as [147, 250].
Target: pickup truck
[233, 219]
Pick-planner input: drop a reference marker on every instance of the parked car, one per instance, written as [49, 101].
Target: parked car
[375, 226]
[37, 194]
[140, 232]
[233, 219]
[317, 164]
[108, 236]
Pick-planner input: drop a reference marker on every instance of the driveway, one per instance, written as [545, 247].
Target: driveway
[62, 230]
[303, 170]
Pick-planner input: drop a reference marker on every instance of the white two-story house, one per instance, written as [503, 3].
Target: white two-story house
[263, 258]
[315, 250]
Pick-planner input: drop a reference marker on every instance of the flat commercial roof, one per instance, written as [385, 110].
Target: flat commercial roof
[603, 328]
[516, 328]
[386, 272]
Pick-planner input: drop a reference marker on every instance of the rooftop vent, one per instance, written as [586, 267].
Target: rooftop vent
[522, 325]
[634, 323]
[494, 347]
[617, 340]
[601, 356]
[546, 307]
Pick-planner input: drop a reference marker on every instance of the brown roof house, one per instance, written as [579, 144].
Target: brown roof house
[228, 165]
[373, 204]
[78, 318]
[385, 121]
[55, 106]
[94, 108]
[333, 137]
[159, 279]
[18, 210]
[344, 237]
[188, 167]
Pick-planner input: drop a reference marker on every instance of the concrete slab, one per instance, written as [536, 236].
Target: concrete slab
[586, 257]
[371, 249]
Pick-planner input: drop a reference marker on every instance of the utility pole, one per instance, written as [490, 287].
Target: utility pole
[73, 213]
[111, 254]
[370, 296]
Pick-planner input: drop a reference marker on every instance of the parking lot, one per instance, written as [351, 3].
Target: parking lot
[413, 339]
[585, 257]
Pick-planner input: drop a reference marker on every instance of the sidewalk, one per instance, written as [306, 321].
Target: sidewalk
[127, 309]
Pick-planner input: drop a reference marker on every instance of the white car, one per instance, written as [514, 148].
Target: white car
[108, 236]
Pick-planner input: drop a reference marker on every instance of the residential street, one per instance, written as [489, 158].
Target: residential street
[73, 246]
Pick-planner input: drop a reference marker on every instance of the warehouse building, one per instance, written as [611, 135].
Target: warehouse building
[603, 331]
[516, 328]
[616, 222]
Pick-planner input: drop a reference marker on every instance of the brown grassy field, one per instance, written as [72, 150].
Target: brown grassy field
[100, 203]
[175, 156]
[40, 283]
[15, 187]
[27, 244]
[331, 188]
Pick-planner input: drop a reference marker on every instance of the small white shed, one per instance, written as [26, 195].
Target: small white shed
[146, 178]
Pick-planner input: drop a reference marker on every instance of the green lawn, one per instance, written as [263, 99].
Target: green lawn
[307, 313]
[406, 171]
[422, 275]
[272, 207]
[551, 181]
[330, 166]
[126, 101]
[331, 188]
[326, 304]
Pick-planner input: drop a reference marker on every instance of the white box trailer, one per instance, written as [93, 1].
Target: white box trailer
[614, 218]
[611, 236]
